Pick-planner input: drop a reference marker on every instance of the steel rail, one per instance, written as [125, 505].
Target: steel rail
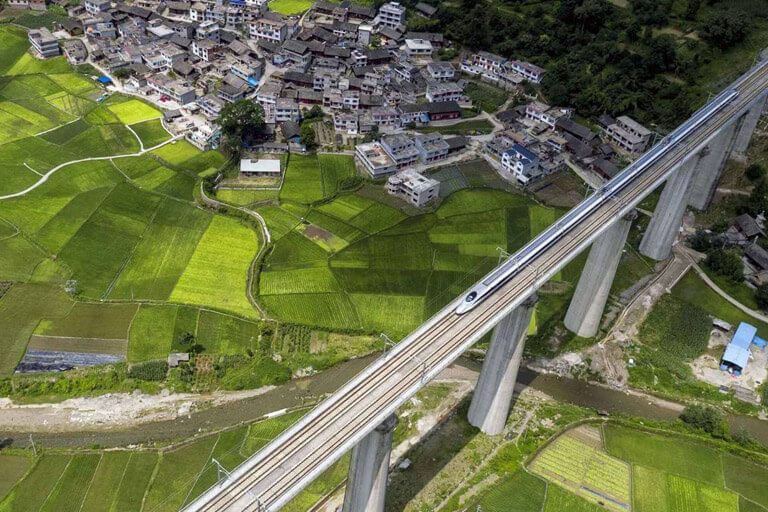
[385, 373]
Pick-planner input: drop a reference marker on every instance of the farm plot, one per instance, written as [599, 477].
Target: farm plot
[136, 480]
[334, 169]
[21, 308]
[576, 461]
[521, 492]
[245, 197]
[151, 332]
[673, 455]
[183, 156]
[163, 252]
[303, 182]
[12, 469]
[14, 42]
[217, 272]
[224, 334]
[151, 132]
[395, 269]
[134, 111]
[102, 245]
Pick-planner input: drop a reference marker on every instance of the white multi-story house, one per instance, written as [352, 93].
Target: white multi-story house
[417, 48]
[44, 43]
[287, 109]
[542, 113]
[269, 28]
[205, 49]
[197, 12]
[345, 122]
[401, 148]
[529, 71]
[521, 163]
[391, 15]
[431, 147]
[489, 62]
[444, 91]
[413, 187]
[628, 135]
[441, 71]
[97, 6]
[374, 159]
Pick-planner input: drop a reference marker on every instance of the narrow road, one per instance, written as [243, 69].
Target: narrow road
[48, 174]
[703, 275]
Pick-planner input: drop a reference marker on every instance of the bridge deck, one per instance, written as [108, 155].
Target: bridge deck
[269, 479]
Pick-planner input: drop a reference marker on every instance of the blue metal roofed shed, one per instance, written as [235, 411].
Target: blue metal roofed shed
[737, 353]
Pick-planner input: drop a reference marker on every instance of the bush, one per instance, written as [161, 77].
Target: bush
[705, 418]
[701, 241]
[761, 296]
[150, 371]
[6, 388]
[726, 262]
[755, 172]
[725, 28]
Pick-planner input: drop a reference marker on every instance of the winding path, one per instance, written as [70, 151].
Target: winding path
[703, 275]
[48, 174]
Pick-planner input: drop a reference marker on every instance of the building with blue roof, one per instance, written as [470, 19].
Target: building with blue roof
[737, 353]
[521, 162]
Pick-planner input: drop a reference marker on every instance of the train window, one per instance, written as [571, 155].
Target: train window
[472, 296]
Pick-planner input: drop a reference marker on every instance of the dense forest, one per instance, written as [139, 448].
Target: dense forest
[650, 59]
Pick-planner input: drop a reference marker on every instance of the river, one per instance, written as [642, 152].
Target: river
[309, 390]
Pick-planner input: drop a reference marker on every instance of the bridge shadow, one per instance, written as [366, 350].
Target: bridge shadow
[440, 445]
[429, 456]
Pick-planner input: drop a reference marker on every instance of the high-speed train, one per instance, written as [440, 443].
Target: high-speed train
[530, 251]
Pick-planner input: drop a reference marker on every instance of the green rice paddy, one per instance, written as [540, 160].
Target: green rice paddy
[575, 473]
[131, 481]
[356, 263]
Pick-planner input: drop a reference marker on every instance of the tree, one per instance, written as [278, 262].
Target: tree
[123, 73]
[706, 418]
[372, 135]
[755, 172]
[692, 9]
[701, 241]
[724, 28]
[307, 135]
[726, 262]
[241, 122]
[757, 202]
[314, 113]
[761, 296]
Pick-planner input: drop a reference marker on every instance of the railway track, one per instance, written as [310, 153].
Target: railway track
[278, 472]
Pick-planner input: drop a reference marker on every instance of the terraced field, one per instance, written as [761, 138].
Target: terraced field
[122, 228]
[356, 263]
[612, 467]
[130, 481]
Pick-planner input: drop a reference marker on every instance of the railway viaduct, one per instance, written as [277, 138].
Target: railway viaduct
[360, 416]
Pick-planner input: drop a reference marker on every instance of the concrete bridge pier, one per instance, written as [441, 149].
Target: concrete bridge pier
[711, 164]
[586, 308]
[493, 394]
[748, 125]
[668, 216]
[366, 488]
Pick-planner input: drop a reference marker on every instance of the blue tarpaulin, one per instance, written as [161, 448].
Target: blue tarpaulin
[759, 342]
[105, 80]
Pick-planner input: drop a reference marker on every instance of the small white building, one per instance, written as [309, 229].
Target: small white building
[418, 48]
[413, 187]
[251, 168]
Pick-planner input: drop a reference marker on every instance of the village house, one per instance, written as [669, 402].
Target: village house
[628, 135]
[44, 43]
[413, 187]
[521, 163]
[374, 159]
[263, 167]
